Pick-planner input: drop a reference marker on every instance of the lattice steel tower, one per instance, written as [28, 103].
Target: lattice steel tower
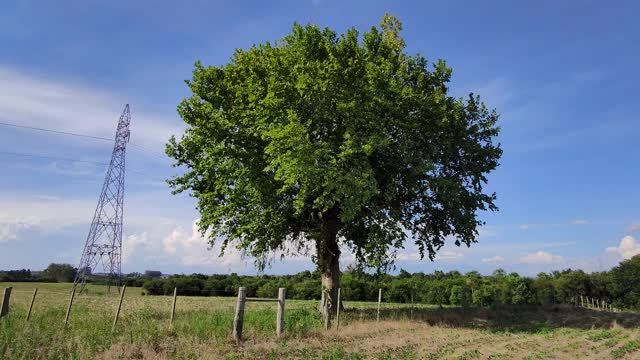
[104, 242]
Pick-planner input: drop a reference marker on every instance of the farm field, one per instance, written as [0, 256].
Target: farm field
[202, 328]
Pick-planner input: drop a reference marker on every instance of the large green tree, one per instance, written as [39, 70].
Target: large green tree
[322, 142]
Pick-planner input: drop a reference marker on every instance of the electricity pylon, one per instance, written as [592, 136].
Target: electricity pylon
[104, 242]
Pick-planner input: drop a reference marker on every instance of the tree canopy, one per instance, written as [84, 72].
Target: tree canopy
[325, 141]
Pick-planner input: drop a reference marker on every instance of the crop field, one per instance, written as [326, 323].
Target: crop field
[202, 329]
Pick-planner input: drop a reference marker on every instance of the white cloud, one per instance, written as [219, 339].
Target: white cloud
[448, 255]
[442, 255]
[22, 211]
[404, 256]
[10, 231]
[494, 259]
[541, 257]
[580, 222]
[189, 248]
[486, 231]
[61, 105]
[525, 226]
[132, 244]
[635, 227]
[627, 248]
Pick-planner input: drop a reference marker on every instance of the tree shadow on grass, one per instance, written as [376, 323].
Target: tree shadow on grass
[511, 318]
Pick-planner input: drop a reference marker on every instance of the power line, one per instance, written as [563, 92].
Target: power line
[55, 131]
[52, 158]
[140, 147]
[73, 160]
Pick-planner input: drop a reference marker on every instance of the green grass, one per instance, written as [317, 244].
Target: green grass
[202, 325]
[627, 348]
[604, 334]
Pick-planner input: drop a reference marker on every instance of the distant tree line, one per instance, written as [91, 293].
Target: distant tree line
[619, 286]
[53, 273]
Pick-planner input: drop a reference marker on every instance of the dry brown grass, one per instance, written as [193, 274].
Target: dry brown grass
[400, 340]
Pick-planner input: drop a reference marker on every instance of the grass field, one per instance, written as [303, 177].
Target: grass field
[202, 329]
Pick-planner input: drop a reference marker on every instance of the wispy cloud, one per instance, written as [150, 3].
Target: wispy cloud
[580, 222]
[67, 106]
[541, 257]
[493, 259]
[635, 227]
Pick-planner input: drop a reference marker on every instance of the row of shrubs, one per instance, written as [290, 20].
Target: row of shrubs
[619, 286]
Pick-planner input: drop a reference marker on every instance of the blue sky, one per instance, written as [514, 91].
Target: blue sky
[562, 74]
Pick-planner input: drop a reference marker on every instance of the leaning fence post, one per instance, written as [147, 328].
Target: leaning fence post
[239, 316]
[338, 311]
[4, 309]
[173, 307]
[379, 301]
[115, 319]
[280, 317]
[33, 299]
[66, 317]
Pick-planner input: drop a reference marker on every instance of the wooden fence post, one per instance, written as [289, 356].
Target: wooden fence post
[338, 311]
[4, 309]
[33, 299]
[66, 317]
[115, 319]
[379, 301]
[325, 310]
[411, 306]
[239, 316]
[173, 307]
[280, 316]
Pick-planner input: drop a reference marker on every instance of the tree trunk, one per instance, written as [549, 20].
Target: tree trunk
[328, 253]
